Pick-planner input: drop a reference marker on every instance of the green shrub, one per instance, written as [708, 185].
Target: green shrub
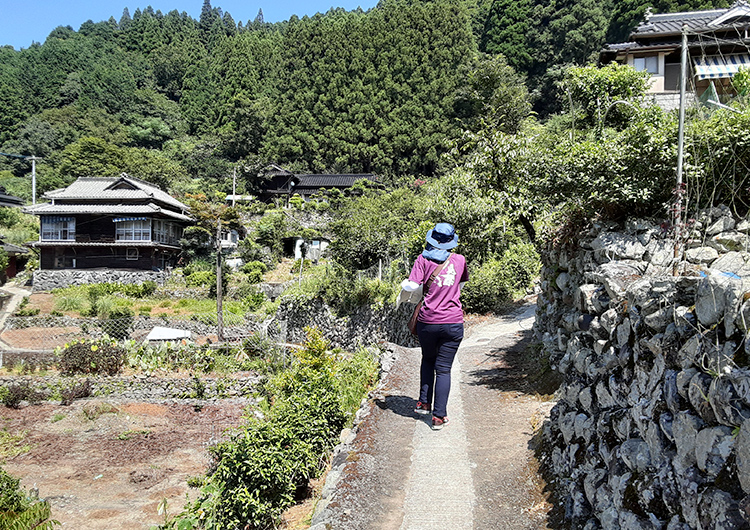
[259, 470]
[12, 498]
[252, 297]
[118, 322]
[254, 271]
[134, 290]
[200, 279]
[19, 511]
[497, 281]
[143, 290]
[304, 263]
[73, 301]
[102, 356]
[198, 265]
[343, 291]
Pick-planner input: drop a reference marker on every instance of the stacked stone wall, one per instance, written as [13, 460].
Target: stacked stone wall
[651, 429]
[367, 325]
[141, 387]
[46, 280]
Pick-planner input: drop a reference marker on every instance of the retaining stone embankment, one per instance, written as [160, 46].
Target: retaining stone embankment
[652, 426]
[366, 325]
[46, 280]
[142, 387]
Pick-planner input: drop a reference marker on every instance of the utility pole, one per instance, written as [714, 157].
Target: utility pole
[219, 294]
[33, 171]
[679, 186]
[33, 177]
[234, 185]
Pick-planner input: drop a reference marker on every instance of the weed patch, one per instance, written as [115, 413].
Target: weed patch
[12, 444]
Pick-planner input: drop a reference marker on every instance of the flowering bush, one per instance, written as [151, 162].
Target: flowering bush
[86, 356]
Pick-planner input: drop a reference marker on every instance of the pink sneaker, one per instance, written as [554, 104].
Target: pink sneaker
[422, 408]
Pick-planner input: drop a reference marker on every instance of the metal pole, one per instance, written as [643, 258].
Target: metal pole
[683, 83]
[680, 148]
[33, 180]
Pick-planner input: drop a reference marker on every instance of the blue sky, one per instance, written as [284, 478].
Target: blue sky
[25, 21]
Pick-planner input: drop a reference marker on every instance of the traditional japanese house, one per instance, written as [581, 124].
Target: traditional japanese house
[281, 183]
[113, 222]
[718, 48]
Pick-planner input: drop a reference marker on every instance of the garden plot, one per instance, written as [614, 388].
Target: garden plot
[106, 464]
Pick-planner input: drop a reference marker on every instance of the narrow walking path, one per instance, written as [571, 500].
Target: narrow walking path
[395, 473]
[440, 492]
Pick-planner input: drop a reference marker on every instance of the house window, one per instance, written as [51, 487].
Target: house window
[133, 230]
[649, 64]
[131, 254]
[166, 232]
[58, 228]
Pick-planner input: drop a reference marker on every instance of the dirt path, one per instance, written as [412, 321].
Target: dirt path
[477, 473]
[107, 464]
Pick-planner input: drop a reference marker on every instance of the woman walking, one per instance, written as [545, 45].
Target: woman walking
[440, 324]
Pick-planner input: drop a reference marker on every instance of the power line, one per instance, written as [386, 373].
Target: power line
[15, 156]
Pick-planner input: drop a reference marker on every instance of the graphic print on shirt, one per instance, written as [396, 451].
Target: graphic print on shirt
[447, 277]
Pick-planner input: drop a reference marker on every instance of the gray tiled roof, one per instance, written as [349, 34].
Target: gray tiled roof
[105, 209]
[662, 31]
[99, 188]
[671, 23]
[638, 46]
[13, 249]
[9, 200]
[331, 181]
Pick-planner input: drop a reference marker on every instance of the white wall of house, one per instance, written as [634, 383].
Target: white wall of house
[655, 66]
[314, 250]
[229, 239]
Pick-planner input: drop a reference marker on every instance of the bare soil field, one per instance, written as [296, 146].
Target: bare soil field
[108, 464]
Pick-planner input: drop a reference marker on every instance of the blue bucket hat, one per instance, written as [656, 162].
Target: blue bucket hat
[443, 236]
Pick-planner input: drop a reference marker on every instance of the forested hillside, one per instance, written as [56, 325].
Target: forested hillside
[180, 102]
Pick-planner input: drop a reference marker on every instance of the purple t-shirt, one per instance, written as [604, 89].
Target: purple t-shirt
[441, 305]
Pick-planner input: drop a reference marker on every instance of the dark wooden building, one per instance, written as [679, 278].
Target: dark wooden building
[114, 222]
[279, 182]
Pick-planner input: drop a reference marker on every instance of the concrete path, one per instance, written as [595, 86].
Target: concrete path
[17, 295]
[395, 473]
[440, 492]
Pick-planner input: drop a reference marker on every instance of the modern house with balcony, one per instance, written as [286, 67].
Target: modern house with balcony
[718, 46]
[109, 222]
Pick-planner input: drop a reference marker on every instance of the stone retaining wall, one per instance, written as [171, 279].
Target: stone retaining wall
[141, 387]
[366, 326]
[651, 428]
[46, 280]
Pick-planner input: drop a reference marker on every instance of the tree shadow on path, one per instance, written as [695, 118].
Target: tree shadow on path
[514, 363]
